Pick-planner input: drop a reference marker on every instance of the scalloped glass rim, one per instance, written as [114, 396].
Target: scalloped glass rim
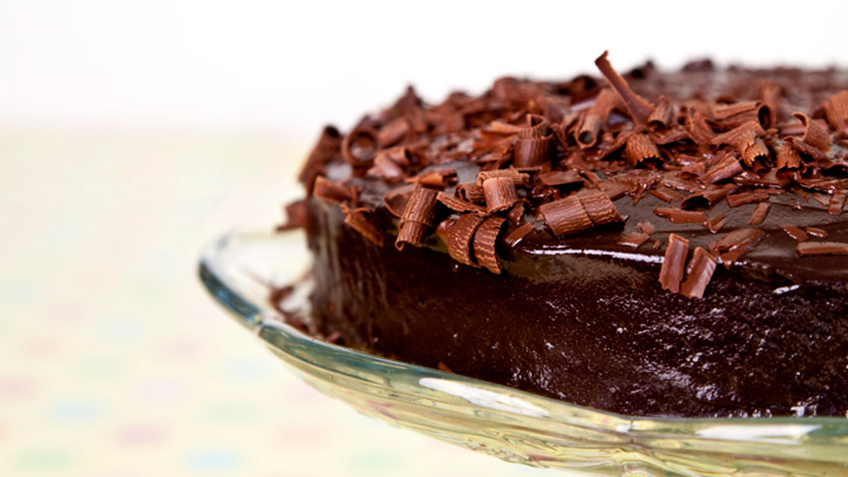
[239, 268]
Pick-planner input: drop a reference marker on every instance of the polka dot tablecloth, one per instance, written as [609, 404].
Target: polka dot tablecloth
[115, 363]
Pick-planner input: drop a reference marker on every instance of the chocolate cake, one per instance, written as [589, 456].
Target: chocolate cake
[648, 244]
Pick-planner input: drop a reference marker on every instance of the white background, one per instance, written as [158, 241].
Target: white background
[292, 66]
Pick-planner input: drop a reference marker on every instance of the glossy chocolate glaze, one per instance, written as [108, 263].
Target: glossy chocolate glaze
[585, 320]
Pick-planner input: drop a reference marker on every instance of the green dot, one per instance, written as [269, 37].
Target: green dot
[374, 461]
[34, 459]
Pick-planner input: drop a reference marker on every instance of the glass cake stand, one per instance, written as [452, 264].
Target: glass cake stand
[240, 269]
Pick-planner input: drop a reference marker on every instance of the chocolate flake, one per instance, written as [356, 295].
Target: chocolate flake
[678, 216]
[500, 193]
[759, 214]
[666, 194]
[737, 243]
[397, 200]
[361, 219]
[639, 108]
[566, 216]
[788, 157]
[816, 232]
[711, 196]
[735, 200]
[698, 274]
[727, 168]
[485, 239]
[697, 129]
[296, 215]
[460, 236]
[794, 232]
[515, 237]
[418, 216]
[822, 248]
[333, 191]
[633, 239]
[640, 147]
[558, 178]
[837, 202]
[671, 272]
[646, 227]
[715, 224]
[459, 205]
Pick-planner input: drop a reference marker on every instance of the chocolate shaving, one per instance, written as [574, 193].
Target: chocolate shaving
[458, 205]
[385, 168]
[600, 208]
[662, 115]
[678, 216]
[460, 236]
[438, 178]
[697, 129]
[418, 216]
[742, 198]
[393, 132]
[516, 236]
[836, 110]
[715, 224]
[596, 116]
[759, 214]
[725, 169]
[816, 232]
[795, 232]
[698, 274]
[837, 202]
[485, 239]
[666, 194]
[397, 200]
[635, 239]
[737, 243]
[739, 113]
[533, 151]
[566, 216]
[361, 219]
[822, 248]
[558, 178]
[297, 214]
[814, 134]
[537, 127]
[770, 96]
[329, 144]
[805, 148]
[639, 108]
[360, 146]
[646, 227]
[500, 193]
[513, 175]
[471, 192]
[333, 191]
[746, 140]
[640, 147]
[671, 272]
[711, 196]
[788, 157]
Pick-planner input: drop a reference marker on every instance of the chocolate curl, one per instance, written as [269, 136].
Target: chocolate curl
[438, 178]
[770, 96]
[596, 116]
[836, 110]
[837, 202]
[746, 140]
[500, 193]
[512, 174]
[724, 169]
[794, 232]
[759, 214]
[359, 147]
[361, 220]
[297, 214]
[485, 239]
[661, 117]
[737, 243]
[739, 113]
[418, 216]
[471, 192]
[393, 132]
[459, 205]
[389, 163]
[674, 262]
[801, 146]
[814, 134]
[599, 208]
[566, 216]
[640, 147]
[822, 248]
[333, 191]
[697, 129]
[788, 157]
[533, 152]
[329, 144]
[460, 235]
[698, 274]
[639, 108]
[679, 216]
[537, 127]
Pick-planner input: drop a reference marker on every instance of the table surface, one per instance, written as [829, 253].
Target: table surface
[114, 361]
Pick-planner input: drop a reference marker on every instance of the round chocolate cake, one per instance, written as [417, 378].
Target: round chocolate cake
[648, 244]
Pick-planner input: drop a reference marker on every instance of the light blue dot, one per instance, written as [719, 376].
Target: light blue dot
[246, 369]
[214, 461]
[75, 411]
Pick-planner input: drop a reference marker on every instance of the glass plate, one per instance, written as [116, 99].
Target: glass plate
[239, 269]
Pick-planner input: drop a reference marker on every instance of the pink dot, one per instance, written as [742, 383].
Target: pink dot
[300, 438]
[41, 348]
[133, 436]
[179, 349]
[162, 391]
[16, 388]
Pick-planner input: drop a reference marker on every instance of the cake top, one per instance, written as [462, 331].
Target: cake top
[748, 168]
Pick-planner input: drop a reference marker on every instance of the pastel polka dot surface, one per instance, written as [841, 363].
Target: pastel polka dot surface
[113, 360]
